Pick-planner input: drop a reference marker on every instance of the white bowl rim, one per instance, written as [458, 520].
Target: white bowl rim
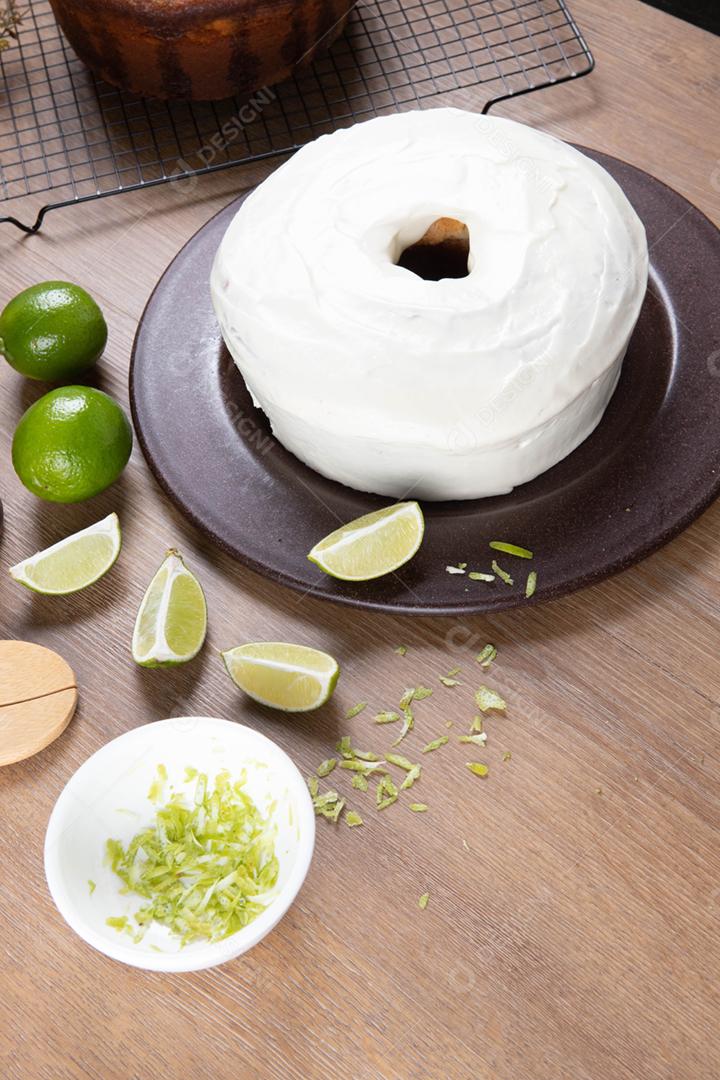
[200, 956]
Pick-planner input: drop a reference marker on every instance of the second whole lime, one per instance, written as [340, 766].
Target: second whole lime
[53, 331]
[71, 444]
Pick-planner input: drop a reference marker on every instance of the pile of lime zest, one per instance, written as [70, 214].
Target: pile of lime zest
[507, 756]
[502, 574]
[352, 818]
[356, 710]
[418, 807]
[480, 738]
[511, 549]
[435, 744]
[486, 656]
[326, 767]
[477, 767]
[386, 717]
[459, 569]
[412, 776]
[400, 761]
[487, 699]
[531, 584]
[423, 901]
[401, 650]
[478, 575]
[203, 867]
[359, 781]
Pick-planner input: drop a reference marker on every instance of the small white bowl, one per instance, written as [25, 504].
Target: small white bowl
[107, 797]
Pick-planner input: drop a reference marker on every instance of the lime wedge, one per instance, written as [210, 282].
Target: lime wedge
[372, 545]
[288, 677]
[172, 621]
[73, 563]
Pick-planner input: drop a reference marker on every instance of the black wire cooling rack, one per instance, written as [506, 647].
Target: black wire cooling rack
[63, 131]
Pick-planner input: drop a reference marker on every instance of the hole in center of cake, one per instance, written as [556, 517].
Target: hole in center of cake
[441, 252]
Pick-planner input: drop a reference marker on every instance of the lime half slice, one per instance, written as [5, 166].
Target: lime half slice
[73, 563]
[172, 621]
[372, 545]
[293, 678]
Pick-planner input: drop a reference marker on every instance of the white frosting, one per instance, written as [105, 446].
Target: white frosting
[450, 389]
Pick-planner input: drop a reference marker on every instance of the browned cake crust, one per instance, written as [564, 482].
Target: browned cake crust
[200, 49]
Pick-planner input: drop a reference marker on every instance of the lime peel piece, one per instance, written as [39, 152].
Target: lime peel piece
[511, 549]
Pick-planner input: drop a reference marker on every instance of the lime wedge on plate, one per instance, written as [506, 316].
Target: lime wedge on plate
[293, 678]
[73, 563]
[372, 545]
[172, 621]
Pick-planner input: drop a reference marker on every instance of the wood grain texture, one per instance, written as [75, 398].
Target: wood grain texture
[577, 937]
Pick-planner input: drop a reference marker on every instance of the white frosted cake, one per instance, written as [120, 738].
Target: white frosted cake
[444, 389]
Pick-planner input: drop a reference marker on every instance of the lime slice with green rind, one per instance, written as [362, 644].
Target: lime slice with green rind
[73, 563]
[172, 621]
[293, 678]
[372, 545]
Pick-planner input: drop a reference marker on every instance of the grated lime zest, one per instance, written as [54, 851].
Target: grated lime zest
[203, 867]
[502, 574]
[487, 700]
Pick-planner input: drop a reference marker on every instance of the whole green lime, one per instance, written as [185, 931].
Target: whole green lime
[53, 331]
[71, 444]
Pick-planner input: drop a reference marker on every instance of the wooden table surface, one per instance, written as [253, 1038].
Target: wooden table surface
[576, 935]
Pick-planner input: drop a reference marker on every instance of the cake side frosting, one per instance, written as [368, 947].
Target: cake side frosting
[455, 388]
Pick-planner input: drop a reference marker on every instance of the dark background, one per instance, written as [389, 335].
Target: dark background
[705, 13]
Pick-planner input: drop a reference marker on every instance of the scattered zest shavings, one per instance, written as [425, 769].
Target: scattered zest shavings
[480, 738]
[356, 710]
[312, 783]
[360, 782]
[400, 761]
[477, 725]
[507, 756]
[408, 724]
[487, 699]
[344, 747]
[530, 584]
[477, 575]
[435, 744]
[415, 693]
[502, 574]
[412, 776]
[201, 866]
[486, 656]
[157, 788]
[91, 886]
[386, 717]
[477, 768]
[328, 805]
[326, 767]
[352, 818]
[449, 679]
[423, 901]
[418, 807]
[511, 549]
[401, 650]
[356, 765]
[459, 569]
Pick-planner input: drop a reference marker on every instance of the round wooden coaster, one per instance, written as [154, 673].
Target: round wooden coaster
[38, 696]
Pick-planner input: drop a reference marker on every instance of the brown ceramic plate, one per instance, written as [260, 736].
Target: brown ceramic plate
[648, 470]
